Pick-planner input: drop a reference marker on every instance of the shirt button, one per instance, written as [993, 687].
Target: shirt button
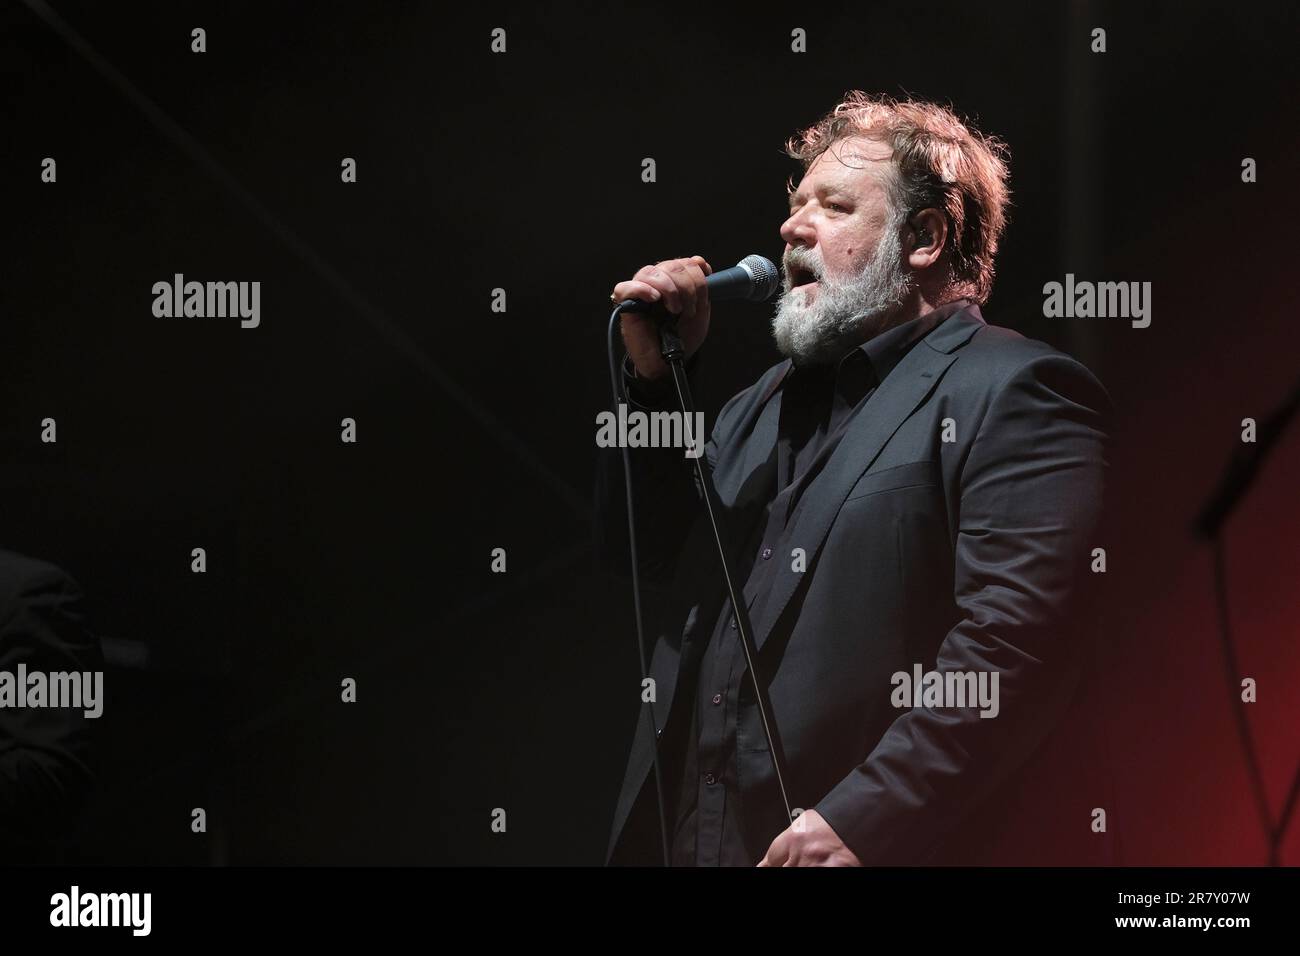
[717, 698]
[767, 553]
[710, 779]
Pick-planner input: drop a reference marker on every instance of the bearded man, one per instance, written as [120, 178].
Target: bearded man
[911, 493]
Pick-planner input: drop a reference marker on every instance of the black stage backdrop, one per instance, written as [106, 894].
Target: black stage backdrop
[521, 171]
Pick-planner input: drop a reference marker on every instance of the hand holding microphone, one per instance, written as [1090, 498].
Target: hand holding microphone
[684, 287]
[679, 284]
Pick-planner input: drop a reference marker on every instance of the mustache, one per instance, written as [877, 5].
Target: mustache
[802, 262]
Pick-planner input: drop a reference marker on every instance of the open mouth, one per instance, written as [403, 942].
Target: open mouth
[801, 276]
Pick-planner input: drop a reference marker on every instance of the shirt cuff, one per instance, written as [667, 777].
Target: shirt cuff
[651, 395]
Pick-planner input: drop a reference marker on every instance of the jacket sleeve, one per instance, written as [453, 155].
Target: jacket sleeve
[1030, 498]
[45, 759]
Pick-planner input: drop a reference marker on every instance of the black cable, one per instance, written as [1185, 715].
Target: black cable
[1274, 834]
[1236, 481]
[616, 384]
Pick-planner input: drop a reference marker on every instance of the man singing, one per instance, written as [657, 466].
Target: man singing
[911, 492]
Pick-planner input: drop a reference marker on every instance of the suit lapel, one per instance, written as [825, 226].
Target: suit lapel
[869, 428]
[744, 503]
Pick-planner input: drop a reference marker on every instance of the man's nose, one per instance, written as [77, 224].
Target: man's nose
[797, 230]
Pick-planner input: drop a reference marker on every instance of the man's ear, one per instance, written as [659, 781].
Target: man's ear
[929, 235]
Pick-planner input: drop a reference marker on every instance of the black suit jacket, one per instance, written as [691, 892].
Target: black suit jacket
[964, 554]
[46, 766]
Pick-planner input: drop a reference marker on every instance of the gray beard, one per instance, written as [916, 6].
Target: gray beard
[845, 313]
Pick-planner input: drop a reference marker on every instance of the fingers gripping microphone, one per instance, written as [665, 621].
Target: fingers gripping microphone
[753, 279]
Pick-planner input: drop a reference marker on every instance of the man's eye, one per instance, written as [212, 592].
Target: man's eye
[836, 205]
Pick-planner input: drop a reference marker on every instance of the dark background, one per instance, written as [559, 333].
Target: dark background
[476, 429]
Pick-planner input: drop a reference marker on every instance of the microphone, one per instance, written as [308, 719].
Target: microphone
[753, 279]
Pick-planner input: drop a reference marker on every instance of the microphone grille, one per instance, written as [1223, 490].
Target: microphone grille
[766, 277]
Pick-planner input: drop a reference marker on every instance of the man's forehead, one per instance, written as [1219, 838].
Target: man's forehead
[857, 150]
[854, 163]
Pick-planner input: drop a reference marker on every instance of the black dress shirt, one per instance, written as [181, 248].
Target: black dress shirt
[817, 402]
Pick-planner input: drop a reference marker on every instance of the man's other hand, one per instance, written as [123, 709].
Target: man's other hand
[809, 841]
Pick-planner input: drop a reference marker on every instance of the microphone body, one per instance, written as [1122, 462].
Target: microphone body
[753, 279]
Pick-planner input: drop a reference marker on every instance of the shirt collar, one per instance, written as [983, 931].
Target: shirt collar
[886, 350]
[867, 364]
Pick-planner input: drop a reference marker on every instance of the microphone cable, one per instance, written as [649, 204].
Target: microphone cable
[620, 397]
